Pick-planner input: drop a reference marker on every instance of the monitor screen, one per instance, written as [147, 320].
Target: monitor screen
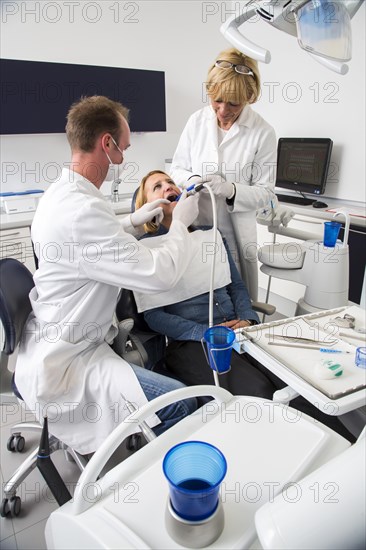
[302, 164]
[36, 95]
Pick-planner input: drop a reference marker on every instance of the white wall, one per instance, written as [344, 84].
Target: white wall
[177, 37]
[300, 97]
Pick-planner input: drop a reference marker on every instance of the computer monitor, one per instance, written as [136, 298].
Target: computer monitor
[302, 164]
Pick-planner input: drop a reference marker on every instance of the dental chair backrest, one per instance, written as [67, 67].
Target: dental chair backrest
[149, 345]
[127, 309]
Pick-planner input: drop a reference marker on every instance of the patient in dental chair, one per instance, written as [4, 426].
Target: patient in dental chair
[181, 314]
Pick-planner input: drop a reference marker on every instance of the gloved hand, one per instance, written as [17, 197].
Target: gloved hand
[186, 210]
[275, 216]
[147, 212]
[220, 186]
[193, 180]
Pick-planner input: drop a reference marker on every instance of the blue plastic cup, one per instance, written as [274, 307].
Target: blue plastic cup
[194, 470]
[360, 359]
[219, 343]
[331, 231]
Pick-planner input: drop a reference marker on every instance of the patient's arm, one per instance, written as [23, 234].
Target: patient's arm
[174, 326]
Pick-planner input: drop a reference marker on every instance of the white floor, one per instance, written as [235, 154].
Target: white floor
[26, 531]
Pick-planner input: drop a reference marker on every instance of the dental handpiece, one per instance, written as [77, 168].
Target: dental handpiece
[192, 189]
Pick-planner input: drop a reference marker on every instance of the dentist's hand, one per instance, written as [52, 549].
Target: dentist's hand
[186, 210]
[147, 212]
[193, 180]
[220, 186]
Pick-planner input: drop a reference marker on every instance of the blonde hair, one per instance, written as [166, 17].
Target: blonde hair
[90, 117]
[231, 87]
[141, 199]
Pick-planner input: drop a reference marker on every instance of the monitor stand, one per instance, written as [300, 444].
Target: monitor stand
[303, 201]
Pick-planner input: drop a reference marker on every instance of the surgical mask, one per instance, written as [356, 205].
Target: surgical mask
[115, 170]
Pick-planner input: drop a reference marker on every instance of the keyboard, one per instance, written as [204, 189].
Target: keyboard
[295, 200]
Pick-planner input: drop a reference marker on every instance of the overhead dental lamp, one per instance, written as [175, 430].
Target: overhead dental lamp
[322, 28]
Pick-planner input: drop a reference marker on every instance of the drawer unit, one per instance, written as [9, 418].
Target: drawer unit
[17, 244]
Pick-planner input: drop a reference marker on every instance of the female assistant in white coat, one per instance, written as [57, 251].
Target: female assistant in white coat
[66, 368]
[228, 143]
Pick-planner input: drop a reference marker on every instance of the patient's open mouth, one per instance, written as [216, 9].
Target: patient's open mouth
[172, 197]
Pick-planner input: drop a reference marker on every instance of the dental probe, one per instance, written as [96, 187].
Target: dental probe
[303, 346]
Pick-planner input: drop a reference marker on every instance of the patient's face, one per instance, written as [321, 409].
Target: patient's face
[161, 186]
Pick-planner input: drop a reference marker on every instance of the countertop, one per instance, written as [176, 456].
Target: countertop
[356, 210]
[24, 219]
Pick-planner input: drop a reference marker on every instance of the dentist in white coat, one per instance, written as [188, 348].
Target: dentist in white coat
[234, 149]
[66, 368]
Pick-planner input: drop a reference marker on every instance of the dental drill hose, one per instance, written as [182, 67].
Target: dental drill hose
[212, 275]
[192, 189]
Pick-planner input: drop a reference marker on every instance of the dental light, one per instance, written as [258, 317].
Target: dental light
[322, 28]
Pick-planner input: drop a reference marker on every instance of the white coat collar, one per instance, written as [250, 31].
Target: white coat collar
[246, 118]
[83, 184]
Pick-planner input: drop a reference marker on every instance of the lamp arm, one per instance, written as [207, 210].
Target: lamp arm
[230, 30]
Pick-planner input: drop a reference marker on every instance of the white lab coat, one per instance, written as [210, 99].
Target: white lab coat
[65, 366]
[246, 157]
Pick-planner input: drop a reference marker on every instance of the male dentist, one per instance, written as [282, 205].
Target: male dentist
[66, 368]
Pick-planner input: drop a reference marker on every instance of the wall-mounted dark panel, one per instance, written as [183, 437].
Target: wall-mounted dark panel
[36, 96]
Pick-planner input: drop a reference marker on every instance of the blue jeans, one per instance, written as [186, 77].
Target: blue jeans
[153, 385]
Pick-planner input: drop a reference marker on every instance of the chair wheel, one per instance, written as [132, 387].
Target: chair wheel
[134, 442]
[10, 508]
[10, 444]
[4, 508]
[19, 443]
[16, 443]
[15, 506]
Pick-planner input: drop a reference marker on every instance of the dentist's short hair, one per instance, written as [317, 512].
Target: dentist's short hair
[90, 117]
[231, 87]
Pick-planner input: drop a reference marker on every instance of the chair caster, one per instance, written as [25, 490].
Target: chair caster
[16, 443]
[134, 442]
[10, 508]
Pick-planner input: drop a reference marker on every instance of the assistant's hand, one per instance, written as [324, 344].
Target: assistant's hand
[220, 186]
[235, 324]
[147, 212]
[186, 210]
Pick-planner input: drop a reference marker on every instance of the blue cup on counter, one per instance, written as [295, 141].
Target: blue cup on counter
[219, 342]
[331, 232]
[360, 359]
[194, 470]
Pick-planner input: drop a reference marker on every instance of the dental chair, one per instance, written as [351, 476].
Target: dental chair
[136, 342]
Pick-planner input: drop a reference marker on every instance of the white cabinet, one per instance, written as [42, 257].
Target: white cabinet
[16, 243]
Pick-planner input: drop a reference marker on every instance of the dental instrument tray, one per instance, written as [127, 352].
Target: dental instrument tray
[127, 507]
[314, 337]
